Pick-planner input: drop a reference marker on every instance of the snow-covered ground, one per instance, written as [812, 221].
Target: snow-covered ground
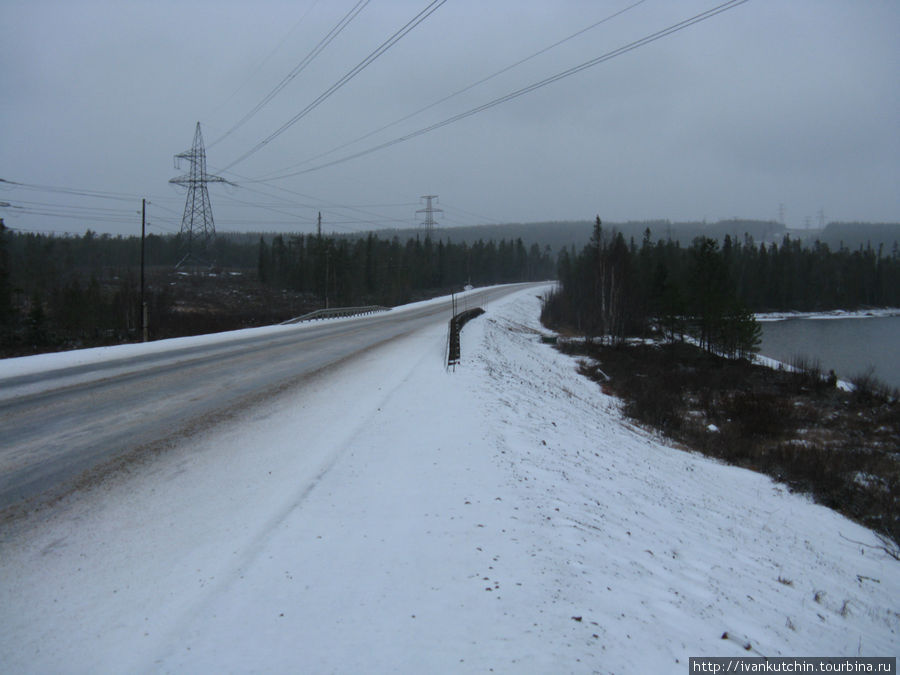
[832, 314]
[396, 517]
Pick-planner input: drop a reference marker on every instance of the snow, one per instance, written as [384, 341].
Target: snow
[775, 364]
[396, 516]
[125, 353]
[832, 314]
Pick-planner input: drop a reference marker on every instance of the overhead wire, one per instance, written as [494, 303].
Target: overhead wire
[93, 214]
[244, 183]
[71, 191]
[291, 203]
[71, 216]
[299, 68]
[466, 88]
[482, 218]
[703, 16]
[353, 72]
[371, 217]
[81, 192]
[96, 214]
[92, 209]
[252, 75]
[73, 213]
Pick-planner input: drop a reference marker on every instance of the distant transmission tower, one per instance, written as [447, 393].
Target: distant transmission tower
[429, 212]
[197, 228]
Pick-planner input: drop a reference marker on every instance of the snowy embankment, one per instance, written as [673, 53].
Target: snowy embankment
[393, 516]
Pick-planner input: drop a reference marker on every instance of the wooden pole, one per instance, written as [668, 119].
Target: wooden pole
[144, 331]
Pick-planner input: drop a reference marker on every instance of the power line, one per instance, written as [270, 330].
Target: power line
[466, 88]
[70, 216]
[264, 61]
[372, 217]
[97, 214]
[159, 206]
[278, 205]
[525, 90]
[274, 209]
[81, 192]
[89, 215]
[353, 72]
[470, 214]
[299, 68]
[72, 191]
[93, 209]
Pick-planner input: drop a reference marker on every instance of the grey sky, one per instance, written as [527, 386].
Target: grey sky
[793, 102]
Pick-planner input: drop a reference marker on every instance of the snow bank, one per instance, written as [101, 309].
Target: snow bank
[394, 516]
[833, 314]
[42, 363]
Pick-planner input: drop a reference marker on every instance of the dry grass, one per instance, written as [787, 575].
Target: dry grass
[841, 447]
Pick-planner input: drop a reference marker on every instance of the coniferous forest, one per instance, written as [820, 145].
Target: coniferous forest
[614, 288]
[794, 424]
[61, 292]
[371, 270]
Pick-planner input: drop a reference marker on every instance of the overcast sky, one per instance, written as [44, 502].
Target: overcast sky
[775, 106]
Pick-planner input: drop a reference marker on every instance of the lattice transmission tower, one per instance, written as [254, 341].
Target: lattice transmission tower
[198, 231]
[429, 212]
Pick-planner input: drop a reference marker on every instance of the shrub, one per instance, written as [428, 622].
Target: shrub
[794, 426]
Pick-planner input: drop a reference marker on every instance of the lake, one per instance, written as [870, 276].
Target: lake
[849, 346]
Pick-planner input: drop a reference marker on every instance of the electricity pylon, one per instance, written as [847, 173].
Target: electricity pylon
[197, 221]
[429, 212]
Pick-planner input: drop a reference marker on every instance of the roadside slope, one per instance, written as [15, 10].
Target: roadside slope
[394, 516]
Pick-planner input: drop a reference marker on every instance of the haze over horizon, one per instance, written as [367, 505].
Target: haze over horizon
[765, 111]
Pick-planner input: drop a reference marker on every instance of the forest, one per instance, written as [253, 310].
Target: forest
[372, 270]
[614, 288]
[60, 292]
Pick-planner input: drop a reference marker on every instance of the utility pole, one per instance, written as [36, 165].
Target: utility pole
[327, 254]
[429, 212]
[197, 220]
[143, 301]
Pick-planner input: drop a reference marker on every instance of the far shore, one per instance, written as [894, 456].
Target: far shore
[870, 313]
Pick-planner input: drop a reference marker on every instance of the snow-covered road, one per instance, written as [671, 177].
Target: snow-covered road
[395, 517]
[68, 413]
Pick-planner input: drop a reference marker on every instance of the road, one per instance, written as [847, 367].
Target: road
[57, 425]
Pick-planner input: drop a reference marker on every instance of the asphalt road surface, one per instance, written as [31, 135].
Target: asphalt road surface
[57, 425]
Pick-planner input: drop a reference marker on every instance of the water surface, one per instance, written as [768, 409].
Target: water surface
[848, 346]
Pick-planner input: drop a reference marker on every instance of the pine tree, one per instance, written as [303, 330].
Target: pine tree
[264, 262]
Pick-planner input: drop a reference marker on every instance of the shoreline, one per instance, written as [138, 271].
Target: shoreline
[872, 313]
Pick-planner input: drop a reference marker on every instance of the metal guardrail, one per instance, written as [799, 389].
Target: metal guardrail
[456, 324]
[335, 312]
